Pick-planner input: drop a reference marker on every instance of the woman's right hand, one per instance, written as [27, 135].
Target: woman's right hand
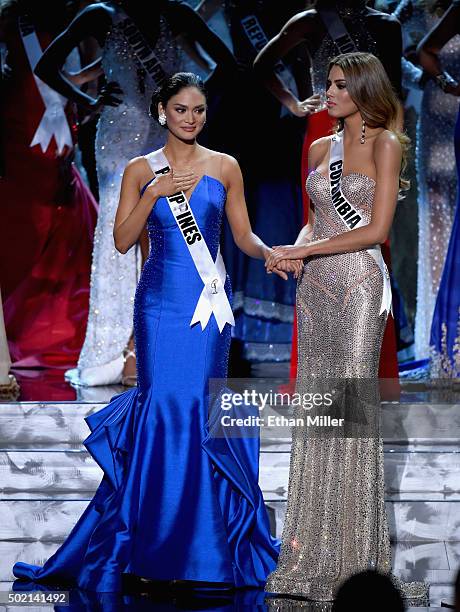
[304, 108]
[174, 181]
[107, 97]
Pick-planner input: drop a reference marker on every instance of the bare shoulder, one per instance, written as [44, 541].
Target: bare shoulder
[135, 165]
[301, 23]
[138, 171]
[318, 150]
[302, 17]
[229, 163]
[387, 144]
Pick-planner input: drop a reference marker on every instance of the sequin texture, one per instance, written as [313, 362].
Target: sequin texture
[335, 522]
[436, 171]
[123, 133]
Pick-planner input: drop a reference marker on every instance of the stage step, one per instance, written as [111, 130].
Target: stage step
[61, 425]
[410, 476]
[47, 479]
[45, 470]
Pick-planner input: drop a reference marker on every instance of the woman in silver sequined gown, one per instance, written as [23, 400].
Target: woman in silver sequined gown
[335, 523]
[124, 131]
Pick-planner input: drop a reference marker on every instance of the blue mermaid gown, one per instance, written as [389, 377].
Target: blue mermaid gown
[175, 502]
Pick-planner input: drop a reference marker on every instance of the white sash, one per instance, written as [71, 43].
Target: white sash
[258, 39]
[142, 50]
[352, 218]
[337, 30]
[54, 121]
[213, 298]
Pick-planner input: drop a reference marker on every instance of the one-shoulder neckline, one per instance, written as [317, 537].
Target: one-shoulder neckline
[366, 176]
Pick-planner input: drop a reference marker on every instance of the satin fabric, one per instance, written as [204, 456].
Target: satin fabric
[46, 235]
[176, 502]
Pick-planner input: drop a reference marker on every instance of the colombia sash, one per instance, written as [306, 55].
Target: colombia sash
[54, 121]
[351, 217]
[213, 298]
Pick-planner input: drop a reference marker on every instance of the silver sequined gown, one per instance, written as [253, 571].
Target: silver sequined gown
[335, 523]
[123, 133]
[436, 170]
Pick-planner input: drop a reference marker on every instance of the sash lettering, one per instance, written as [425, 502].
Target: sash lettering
[143, 51]
[348, 213]
[258, 39]
[213, 298]
[351, 217]
[337, 30]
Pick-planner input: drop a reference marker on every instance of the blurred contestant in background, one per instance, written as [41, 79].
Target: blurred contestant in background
[445, 329]
[141, 45]
[435, 163]
[48, 213]
[329, 28]
[267, 139]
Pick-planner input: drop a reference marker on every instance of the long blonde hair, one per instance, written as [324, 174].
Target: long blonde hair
[371, 90]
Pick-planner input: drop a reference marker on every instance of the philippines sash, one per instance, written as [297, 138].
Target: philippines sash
[213, 298]
[351, 217]
[54, 121]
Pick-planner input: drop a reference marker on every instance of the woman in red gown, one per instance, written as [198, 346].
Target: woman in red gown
[48, 214]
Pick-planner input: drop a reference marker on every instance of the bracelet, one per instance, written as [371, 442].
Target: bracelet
[444, 80]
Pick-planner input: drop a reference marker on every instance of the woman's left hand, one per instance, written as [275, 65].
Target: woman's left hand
[290, 251]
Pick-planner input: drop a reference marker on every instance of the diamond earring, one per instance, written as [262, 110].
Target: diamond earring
[363, 133]
[162, 119]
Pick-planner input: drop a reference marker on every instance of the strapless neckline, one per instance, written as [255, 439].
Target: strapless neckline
[366, 176]
[208, 176]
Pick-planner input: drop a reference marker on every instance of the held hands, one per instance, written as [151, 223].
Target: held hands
[288, 257]
[171, 183]
[282, 267]
[288, 265]
[304, 108]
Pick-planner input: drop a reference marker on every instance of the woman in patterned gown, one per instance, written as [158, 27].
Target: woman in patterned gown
[335, 522]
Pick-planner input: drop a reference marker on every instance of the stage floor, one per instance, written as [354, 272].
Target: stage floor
[47, 478]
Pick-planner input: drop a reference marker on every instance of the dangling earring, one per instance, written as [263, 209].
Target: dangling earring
[363, 133]
[162, 119]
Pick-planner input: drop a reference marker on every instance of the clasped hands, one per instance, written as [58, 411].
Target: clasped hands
[286, 258]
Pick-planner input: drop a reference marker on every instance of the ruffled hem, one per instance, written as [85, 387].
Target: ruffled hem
[113, 445]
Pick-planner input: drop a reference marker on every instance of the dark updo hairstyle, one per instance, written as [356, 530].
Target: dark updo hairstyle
[173, 86]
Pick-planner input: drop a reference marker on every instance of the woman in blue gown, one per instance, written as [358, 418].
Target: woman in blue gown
[175, 502]
[445, 327]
